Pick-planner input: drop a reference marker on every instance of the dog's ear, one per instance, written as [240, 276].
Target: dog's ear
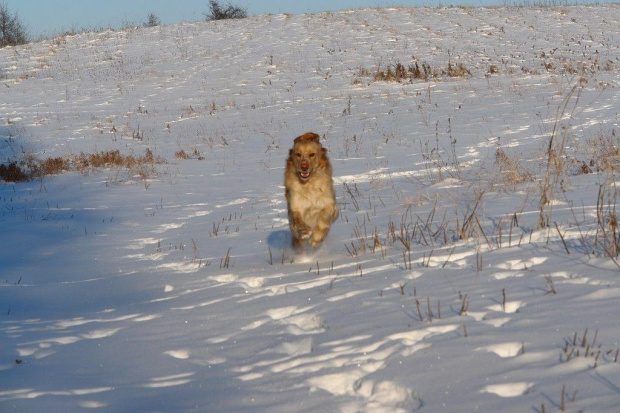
[323, 161]
[308, 137]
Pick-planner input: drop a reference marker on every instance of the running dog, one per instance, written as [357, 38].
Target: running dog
[309, 192]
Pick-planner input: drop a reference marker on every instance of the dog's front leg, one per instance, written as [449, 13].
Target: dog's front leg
[299, 229]
[326, 217]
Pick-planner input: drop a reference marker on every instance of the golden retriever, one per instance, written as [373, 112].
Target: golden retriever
[309, 191]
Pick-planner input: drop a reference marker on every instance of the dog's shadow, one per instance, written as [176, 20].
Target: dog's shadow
[279, 239]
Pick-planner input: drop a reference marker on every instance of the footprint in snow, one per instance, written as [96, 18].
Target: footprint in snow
[178, 354]
[508, 307]
[508, 389]
[504, 350]
[384, 396]
[298, 321]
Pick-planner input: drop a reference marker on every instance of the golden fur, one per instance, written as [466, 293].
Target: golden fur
[309, 191]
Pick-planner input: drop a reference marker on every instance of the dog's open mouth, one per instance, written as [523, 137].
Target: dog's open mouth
[304, 176]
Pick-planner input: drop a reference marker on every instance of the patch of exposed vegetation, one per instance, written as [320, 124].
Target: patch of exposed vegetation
[30, 168]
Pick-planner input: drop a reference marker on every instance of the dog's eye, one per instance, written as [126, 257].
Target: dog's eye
[298, 155]
[312, 155]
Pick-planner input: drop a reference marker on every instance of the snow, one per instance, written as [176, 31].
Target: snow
[176, 289]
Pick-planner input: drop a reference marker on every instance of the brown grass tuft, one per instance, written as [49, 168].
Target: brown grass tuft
[183, 155]
[110, 159]
[30, 167]
[13, 173]
[53, 166]
[415, 71]
[605, 152]
[400, 73]
[513, 173]
[458, 70]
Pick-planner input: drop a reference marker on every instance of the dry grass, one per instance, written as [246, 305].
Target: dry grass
[110, 159]
[458, 70]
[183, 155]
[400, 73]
[601, 154]
[53, 166]
[513, 173]
[604, 152]
[586, 347]
[556, 159]
[30, 168]
[415, 71]
[607, 235]
[12, 172]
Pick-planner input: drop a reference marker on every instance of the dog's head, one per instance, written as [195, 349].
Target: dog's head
[307, 156]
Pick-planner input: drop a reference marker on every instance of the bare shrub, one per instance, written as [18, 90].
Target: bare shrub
[12, 30]
[152, 20]
[219, 12]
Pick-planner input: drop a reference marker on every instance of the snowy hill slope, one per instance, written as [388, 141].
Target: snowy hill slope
[171, 287]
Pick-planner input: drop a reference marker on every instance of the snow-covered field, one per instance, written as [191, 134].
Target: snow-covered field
[175, 289]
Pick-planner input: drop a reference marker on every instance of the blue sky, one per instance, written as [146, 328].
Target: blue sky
[50, 17]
